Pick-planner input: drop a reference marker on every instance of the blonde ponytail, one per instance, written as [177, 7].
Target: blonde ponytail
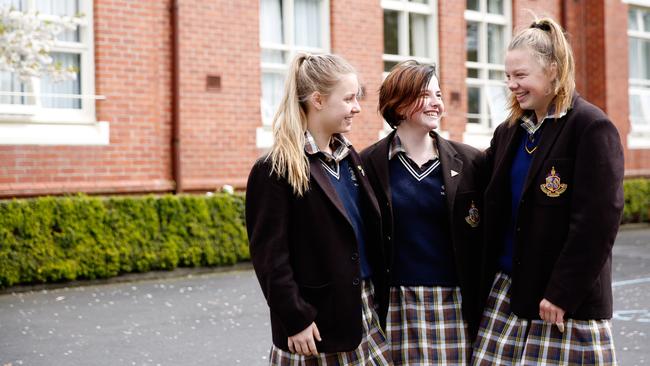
[307, 74]
[546, 39]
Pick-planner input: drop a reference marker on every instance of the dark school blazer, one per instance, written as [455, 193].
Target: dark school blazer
[564, 233]
[305, 254]
[463, 188]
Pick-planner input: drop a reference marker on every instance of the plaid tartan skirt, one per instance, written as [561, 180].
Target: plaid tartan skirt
[425, 326]
[505, 339]
[373, 349]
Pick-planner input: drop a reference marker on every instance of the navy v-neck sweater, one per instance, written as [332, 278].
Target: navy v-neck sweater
[423, 254]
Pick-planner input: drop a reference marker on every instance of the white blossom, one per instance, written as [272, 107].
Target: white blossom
[26, 39]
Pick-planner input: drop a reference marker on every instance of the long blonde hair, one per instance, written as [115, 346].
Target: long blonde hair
[307, 74]
[546, 40]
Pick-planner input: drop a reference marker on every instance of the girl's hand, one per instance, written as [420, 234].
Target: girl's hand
[303, 342]
[552, 314]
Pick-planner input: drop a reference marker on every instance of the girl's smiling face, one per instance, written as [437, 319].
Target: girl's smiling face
[341, 105]
[431, 108]
[529, 81]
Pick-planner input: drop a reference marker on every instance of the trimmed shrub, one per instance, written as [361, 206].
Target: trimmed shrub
[637, 200]
[52, 239]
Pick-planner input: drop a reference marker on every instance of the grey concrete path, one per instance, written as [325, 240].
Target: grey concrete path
[222, 319]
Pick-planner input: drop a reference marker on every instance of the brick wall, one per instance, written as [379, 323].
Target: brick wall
[218, 128]
[452, 71]
[219, 38]
[131, 63]
[357, 35]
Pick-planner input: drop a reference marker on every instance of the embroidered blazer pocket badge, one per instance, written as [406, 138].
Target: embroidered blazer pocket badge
[553, 186]
[473, 219]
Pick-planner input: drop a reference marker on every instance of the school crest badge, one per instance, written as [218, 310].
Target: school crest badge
[473, 218]
[553, 186]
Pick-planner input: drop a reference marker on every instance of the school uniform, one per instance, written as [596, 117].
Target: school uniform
[431, 220]
[318, 259]
[552, 211]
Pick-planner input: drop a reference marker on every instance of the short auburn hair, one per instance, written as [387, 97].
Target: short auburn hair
[399, 94]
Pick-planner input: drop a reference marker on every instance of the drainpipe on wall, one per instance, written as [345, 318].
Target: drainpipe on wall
[175, 95]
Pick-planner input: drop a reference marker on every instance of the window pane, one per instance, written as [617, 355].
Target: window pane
[272, 89]
[271, 21]
[645, 59]
[9, 82]
[632, 23]
[308, 23]
[473, 100]
[473, 5]
[636, 109]
[420, 1]
[62, 8]
[473, 73]
[471, 42]
[390, 32]
[646, 21]
[635, 66]
[419, 36]
[497, 98]
[497, 75]
[639, 58]
[49, 86]
[496, 43]
[495, 7]
[388, 65]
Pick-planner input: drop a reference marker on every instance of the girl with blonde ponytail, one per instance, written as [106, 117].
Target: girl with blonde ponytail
[314, 226]
[553, 203]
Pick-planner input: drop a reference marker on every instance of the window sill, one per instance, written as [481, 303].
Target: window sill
[90, 134]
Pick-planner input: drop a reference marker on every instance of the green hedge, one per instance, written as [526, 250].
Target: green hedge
[52, 239]
[637, 200]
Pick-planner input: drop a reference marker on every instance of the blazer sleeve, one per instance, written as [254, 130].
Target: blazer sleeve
[596, 208]
[267, 221]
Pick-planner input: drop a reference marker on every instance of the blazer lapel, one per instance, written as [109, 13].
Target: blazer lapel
[452, 168]
[323, 181]
[502, 162]
[363, 181]
[379, 161]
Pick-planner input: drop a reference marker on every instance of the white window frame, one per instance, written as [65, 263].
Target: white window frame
[35, 124]
[264, 136]
[479, 134]
[639, 136]
[404, 8]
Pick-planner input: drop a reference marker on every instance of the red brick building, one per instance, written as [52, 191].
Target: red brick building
[176, 95]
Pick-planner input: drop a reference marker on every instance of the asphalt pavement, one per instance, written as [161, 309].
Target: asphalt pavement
[222, 318]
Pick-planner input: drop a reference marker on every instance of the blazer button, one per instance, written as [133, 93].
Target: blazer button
[354, 256]
[355, 281]
[518, 229]
[388, 237]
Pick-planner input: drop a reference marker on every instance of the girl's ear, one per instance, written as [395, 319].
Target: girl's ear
[317, 100]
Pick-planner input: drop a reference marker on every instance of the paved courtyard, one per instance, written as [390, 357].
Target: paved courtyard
[222, 319]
